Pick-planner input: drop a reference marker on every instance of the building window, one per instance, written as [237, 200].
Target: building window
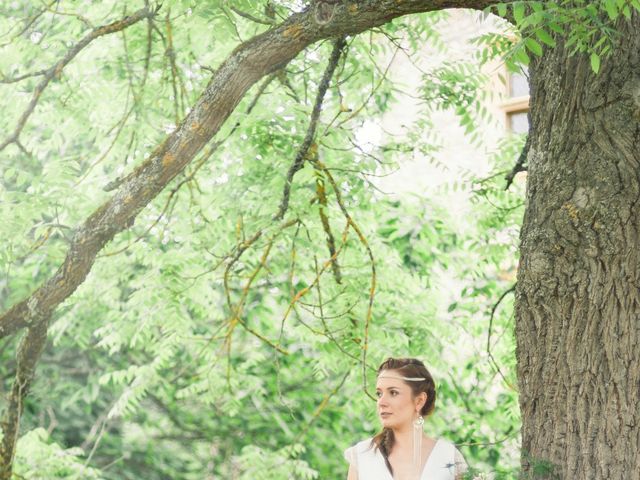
[518, 122]
[516, 106]
[518, 85]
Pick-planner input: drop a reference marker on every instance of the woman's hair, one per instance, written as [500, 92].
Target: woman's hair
[407, 367]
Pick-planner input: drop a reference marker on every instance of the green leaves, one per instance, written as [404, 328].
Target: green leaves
[260, 464]
[545, 37]
[154, 345]
[581, 25]
[459, 87]
[533, 46]
[595, 62]
[518, 10]
[38, 457]
[611, 7]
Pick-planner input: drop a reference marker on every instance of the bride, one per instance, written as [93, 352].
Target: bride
[406, 394]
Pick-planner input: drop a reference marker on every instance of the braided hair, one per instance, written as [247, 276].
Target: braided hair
[407, 367]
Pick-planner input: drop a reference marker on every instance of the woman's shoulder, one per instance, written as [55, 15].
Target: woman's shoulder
[359, 452]
[445, 442]
[362, 445]
[446, 449]
[363, 448]
[448, 444]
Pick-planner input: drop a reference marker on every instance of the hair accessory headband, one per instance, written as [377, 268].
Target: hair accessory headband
[400, 377]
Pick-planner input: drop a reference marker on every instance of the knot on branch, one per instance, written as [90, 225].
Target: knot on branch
[324, 10]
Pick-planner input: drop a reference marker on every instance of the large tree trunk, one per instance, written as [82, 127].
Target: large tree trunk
[578, 297]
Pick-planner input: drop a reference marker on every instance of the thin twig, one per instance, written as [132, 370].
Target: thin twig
[323, 404]
[357, 111]
[22, 77]
[83, 19]
[519, 166]
[56, 69]
[248, 16]
[236, 311]
[306, 147]
[326, 226]
[120, 127]
[372, 289]
[327, 331]
[28, 24]
[493, 312]
[308, 288]
[171, 55]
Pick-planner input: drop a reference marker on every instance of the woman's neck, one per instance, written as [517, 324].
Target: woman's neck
[404, 438]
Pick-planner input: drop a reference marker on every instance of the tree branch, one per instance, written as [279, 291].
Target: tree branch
[519, 166]
[306, 147]
[56, 69]
[22, 77]
[247, 64]
[372, 289]
[326, 226]
[248, 16]
[493, 312]
[29, 353]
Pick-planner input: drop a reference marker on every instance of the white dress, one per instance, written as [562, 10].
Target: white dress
[445, 462]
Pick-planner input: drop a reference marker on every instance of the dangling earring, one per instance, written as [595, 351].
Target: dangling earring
[417, 445]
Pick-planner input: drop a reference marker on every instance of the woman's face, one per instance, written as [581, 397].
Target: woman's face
[397, 406]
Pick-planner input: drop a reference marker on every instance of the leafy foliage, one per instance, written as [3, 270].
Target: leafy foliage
[38, 458]
[210, 341]
[585, 26]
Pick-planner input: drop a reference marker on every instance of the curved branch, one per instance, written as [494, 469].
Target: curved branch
[56, 69]
[248, 16]
[372, 289]
[246, 65]
[306, 147]
[326, 225]
[254, 59]
[23, 77]
[490, 330]
[29, 352]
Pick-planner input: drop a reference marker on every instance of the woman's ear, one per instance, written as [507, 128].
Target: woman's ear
[421, 401]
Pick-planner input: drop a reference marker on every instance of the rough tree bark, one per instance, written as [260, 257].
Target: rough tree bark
[578, 297]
